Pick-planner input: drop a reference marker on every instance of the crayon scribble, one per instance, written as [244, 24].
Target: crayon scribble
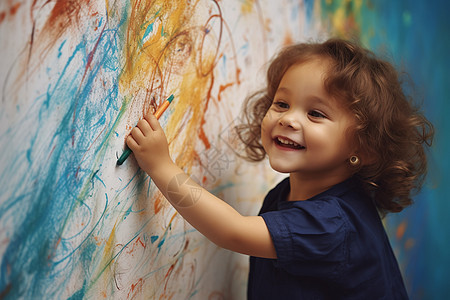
[76, 77]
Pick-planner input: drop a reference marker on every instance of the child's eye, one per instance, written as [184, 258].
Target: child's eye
[316, 114]
[281, 104]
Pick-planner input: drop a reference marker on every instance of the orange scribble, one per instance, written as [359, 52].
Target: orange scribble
[222, 88]
[238, 73]
[204, 138]
[57, 243]
[401, 229]
[157, 205]
[288, 40]
[98, 242]
[173, 217]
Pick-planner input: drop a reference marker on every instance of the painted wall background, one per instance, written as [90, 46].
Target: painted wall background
[76, 76]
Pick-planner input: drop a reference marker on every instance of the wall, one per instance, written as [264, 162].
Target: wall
[76, 76]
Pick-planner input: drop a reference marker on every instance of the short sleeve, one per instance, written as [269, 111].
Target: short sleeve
[309, 237]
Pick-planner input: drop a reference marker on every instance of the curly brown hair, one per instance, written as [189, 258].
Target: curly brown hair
[390, 131]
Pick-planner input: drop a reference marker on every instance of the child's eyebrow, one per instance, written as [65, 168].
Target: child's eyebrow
[316, 99]
[284, 90]
[321, 101]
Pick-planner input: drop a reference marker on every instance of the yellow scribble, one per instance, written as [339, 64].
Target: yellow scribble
[339, 20]
[170, 50]
[247, 6]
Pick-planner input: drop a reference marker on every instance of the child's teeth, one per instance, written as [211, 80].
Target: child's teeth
[288, 142]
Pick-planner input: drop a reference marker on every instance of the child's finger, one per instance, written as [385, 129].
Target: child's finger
[151, 119]
[137, 134]
[131, 143]
[144, 127]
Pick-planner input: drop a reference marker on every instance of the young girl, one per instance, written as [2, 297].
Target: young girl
[335, 118]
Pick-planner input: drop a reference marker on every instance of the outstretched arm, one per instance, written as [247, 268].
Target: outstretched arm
[211, 216]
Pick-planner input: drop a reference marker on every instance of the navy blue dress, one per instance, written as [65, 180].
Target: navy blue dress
[332, 246]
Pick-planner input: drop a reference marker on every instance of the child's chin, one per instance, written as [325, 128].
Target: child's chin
[281, 168]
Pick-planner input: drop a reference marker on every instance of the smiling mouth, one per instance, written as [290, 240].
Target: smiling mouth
[286, 143]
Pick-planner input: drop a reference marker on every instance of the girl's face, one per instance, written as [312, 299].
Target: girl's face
[304, 131]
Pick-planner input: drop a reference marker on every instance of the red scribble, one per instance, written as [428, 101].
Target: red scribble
[2, 16]
[140, 242]
[136, 244]
[136, 289]
[14, 8]
[12, 11]
[51, 152]
[63, 15]
[166, 278]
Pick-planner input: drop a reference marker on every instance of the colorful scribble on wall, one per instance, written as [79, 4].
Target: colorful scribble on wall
[76, 76]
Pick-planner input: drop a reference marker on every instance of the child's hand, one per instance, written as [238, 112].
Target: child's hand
[149, 144]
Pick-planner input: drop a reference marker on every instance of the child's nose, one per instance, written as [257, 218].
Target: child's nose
[290, 120]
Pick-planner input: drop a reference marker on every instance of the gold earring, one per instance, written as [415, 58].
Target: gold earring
[354, 160]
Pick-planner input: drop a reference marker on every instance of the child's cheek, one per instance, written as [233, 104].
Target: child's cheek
[266, 129]
[268, 118]
[265, 123]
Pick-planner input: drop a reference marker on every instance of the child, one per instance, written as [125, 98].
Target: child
[335, 118]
